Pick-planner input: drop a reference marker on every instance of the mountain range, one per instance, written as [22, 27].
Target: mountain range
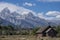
[26, 20]
[23, 18]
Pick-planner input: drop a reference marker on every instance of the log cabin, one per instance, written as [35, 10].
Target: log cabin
[46, 32]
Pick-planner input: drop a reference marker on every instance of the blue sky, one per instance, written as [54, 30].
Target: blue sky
[47, 9]
[39, 6]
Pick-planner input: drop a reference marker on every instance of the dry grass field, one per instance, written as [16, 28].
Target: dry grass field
[24, 37]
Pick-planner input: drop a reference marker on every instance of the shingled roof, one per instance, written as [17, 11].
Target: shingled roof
[42, 29]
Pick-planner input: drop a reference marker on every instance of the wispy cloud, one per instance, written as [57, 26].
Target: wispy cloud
[50, 15]
[29, 4]
[49, 0]
[58, 16]
[41, 15]
[14, 8]
[53, 13]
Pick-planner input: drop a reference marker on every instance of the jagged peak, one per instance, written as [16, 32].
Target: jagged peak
[6, 10]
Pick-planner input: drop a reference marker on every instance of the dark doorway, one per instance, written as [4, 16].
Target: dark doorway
[44, 34]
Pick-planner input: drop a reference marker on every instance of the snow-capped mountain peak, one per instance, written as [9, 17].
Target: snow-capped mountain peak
[26, 20]
[6, 10]
[20, 16]
[14, 8]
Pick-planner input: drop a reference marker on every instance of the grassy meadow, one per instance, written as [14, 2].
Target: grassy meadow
[9, 33]
[25, 37]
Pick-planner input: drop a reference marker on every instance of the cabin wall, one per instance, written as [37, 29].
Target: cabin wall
[52, 33]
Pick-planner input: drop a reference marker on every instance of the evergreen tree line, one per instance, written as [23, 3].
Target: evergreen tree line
[9, 30]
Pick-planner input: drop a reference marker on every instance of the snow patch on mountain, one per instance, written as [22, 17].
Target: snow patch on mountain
[21, 16]
[26, 20]
[15, 8]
